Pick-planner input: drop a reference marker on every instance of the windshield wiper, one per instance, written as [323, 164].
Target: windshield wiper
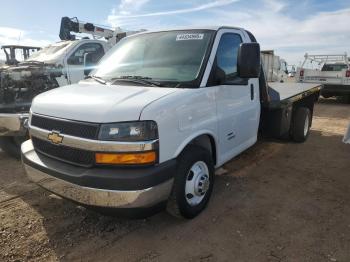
[98, 79]
[137, 79]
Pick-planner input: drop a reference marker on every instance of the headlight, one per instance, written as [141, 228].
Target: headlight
[129, 131]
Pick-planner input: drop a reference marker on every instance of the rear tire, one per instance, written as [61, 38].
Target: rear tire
[193, 183]
[11, 145]
[347, 99]
[301, 124]
[326, 96]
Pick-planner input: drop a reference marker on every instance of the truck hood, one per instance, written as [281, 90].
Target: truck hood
[96, 102]
[53, 53]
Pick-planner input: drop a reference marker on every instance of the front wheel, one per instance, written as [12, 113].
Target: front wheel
[11, 145]
[193, 183]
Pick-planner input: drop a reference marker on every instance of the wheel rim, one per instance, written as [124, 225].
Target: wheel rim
[306, 125]
[197, 183]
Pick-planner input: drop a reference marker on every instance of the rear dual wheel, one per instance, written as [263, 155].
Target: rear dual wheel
[301, 124]
[326, 96]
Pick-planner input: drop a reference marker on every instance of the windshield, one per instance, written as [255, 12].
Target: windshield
[51, 52]
[172, 56]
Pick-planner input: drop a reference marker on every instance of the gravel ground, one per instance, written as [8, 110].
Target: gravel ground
[277, 201]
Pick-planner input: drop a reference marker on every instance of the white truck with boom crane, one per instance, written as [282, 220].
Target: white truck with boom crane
[56, 65]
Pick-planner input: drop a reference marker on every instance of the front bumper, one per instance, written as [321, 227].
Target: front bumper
[335, 90]
[100, 187]
[13, 124]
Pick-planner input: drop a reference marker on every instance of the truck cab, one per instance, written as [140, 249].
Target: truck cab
[69, 55]
[161, 111]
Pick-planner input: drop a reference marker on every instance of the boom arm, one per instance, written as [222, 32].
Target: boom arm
[68, 25]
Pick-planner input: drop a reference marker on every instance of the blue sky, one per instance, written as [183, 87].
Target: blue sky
[290, 27]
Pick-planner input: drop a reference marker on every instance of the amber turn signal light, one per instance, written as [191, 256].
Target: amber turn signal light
[126, 158]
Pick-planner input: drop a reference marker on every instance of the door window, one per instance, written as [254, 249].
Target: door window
[77, 58]
[226, 55]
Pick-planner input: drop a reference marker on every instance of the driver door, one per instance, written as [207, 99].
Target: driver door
[237, 99]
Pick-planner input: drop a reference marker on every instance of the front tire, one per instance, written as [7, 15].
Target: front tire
[193, 183]
[301, 124]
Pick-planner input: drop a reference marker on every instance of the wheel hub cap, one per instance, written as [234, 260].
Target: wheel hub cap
[201, 185]
[197, 183]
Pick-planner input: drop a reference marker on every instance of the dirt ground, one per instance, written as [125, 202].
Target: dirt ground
[277, 202]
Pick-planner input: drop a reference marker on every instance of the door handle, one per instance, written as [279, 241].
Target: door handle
[251, 92]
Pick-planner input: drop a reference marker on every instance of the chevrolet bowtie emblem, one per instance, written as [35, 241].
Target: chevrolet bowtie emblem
[55, 137]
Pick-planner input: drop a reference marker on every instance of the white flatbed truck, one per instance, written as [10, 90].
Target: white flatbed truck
[159, 114]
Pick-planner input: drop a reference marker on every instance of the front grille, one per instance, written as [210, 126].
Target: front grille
[67, 127]
[67, 154]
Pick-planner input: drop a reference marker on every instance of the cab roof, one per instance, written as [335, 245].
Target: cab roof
[212, 28]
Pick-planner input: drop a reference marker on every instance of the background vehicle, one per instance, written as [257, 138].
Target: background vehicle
[149, 127]
[56, 65]
[291, 70]
[332, 71]
[275, 68]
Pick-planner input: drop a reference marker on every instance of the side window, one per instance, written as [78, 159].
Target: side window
[226, 55]
[77, 58]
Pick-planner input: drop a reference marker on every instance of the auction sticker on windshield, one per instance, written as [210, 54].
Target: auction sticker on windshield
[182, 37]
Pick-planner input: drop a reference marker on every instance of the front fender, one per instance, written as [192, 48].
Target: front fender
[181, 117]
[193, 136]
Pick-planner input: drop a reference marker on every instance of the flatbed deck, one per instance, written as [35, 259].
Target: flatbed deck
[287, 93]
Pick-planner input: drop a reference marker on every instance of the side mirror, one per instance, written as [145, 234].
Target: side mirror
[248, 62]
[89, 63]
